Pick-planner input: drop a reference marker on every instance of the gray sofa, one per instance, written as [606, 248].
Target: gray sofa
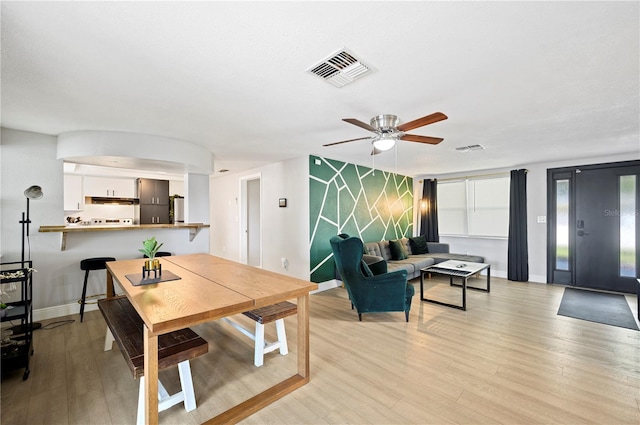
[438, 252]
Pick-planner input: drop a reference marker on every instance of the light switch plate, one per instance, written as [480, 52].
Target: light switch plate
[542, 219]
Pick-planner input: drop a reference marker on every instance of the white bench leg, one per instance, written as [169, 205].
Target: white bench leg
[261, 346]
[162, 393]
[258, 358]
[140, 415]
[165, 400]
[108, 340]
[186, 381]
[282, 337]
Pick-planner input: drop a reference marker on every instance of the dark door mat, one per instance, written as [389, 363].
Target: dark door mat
[599, 307]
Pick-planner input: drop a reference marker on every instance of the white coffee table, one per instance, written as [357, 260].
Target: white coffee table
[455, 268]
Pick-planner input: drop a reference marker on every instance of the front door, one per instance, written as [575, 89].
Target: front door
[596, 232]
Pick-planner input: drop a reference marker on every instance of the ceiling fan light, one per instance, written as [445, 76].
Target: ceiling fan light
[384, 144]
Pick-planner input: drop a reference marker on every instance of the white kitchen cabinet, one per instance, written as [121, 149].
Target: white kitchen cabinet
[109, 187]
[73, 198]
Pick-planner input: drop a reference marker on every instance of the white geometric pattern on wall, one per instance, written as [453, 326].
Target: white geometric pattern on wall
[347, 198]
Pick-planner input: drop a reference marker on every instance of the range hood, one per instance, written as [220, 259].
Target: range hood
[104, 200]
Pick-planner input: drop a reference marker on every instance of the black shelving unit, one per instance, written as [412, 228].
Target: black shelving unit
[16, 349]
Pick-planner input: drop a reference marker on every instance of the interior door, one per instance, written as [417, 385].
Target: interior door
[251, 221]
[594, 231]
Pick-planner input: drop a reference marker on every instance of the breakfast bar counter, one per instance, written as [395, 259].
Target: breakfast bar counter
[193, 228]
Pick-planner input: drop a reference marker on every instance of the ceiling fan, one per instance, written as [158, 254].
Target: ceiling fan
[387, 131]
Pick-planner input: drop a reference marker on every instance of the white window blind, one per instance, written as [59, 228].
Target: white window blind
[452, 208]
[474, 207]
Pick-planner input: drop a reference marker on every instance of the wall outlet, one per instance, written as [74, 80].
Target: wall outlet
[284, 262]
[317, 161]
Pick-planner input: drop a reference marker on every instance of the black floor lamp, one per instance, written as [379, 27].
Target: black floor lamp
[35, 193]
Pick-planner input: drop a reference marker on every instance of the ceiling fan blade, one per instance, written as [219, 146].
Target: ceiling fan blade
[345, 141]
[421, 139]
[420, 122]
[360, 124]
[376, 151]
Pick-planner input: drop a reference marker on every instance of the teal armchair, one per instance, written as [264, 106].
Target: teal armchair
[370, 294]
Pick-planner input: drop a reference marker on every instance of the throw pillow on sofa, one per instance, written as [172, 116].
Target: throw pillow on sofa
[419, 245]
[364, 267]
[377, 267]
[366, 271]
[398, 251]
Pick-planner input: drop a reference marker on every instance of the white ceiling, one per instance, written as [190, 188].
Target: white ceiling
[532, 82]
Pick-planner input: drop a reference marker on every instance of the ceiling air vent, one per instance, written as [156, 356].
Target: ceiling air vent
[470, 148]
[341, 68]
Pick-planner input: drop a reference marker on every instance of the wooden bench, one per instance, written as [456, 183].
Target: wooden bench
[174, 349]
[262, 316]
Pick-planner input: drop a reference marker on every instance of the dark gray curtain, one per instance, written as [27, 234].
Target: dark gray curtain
[429, 210]
[518, 255]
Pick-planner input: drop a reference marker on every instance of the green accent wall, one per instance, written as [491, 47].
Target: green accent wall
[347, 198]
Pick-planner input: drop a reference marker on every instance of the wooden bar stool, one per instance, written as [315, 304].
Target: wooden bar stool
[88, 264]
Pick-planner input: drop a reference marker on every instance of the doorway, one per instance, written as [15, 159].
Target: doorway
[251, 221]
[594, 232]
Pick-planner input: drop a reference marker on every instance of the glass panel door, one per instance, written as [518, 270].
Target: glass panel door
[593, 233]
[562, 224]
[628, 215]
[560, 231]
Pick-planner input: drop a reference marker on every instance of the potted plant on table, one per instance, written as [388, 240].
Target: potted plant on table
[150, 248]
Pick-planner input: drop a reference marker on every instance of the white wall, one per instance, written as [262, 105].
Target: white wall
[30, 158]
[196, 208]
[495, 250]
[285, 231]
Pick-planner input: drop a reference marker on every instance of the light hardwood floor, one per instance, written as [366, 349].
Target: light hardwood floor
[508, 359]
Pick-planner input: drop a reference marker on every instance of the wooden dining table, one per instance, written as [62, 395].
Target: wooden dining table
[209, 288]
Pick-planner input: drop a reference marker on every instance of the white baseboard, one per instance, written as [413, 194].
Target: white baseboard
[329, 284]
[57, 311]
[503, 274]
[532, 277]
[537, 278]
[61, 310]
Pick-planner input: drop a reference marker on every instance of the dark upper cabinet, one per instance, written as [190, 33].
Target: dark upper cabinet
[154, 201]
[153, 192]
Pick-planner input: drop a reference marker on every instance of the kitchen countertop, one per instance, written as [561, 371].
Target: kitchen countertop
[65, 229]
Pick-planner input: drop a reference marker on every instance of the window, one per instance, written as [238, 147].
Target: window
[452, 208]
[474, 207]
